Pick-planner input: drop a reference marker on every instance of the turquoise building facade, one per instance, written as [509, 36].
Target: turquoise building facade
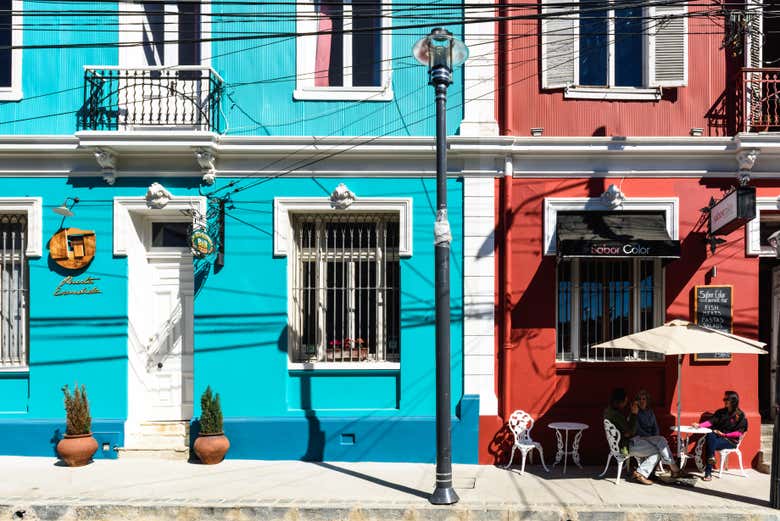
[242, 167]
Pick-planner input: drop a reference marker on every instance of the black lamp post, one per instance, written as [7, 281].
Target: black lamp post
[440, 51]
[774, 482]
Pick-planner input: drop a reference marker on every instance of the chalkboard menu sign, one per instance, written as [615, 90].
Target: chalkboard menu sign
[713, 308]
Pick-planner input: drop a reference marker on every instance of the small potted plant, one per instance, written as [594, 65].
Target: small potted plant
[211, 445]
[357, 349]
[78, 445]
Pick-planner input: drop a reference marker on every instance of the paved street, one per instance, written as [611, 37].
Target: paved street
[37, 488]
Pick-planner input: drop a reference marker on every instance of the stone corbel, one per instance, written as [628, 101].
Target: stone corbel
[107, 161]
[613, 197]
[206, 161]
[746, 159]
[342, 197]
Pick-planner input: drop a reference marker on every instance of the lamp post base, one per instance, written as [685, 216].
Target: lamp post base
[444, 496]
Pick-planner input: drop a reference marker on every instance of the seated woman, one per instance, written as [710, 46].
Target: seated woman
[651, 449]
[646, 424]
[728, 425]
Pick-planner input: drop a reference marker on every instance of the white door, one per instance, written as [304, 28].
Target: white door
[169, 342]
[774, 334]
[161, 289]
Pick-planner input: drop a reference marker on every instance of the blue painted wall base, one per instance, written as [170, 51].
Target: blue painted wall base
[39, 437]
[383, 439]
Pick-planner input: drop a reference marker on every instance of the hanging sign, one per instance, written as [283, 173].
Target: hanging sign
[72, 286]
[72, 248]
[734, 210]
[713, 307]
[201, 243]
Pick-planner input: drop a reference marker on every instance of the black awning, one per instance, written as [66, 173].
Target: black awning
[614, 234]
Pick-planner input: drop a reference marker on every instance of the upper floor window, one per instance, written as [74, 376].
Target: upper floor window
[10, 59]
[600, 48]
[345, 51]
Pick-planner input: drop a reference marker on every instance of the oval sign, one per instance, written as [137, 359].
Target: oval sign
[201, 243]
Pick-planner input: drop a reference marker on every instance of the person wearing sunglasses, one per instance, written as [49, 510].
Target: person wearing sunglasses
[728, 425]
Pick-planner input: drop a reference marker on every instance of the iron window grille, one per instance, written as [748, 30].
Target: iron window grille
[14, 291]
[600, 300]
[345, 288]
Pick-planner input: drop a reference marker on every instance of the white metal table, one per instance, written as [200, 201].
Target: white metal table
[563, 442]
[685, 432]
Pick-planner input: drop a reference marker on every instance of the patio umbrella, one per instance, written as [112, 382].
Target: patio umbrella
[680, 337]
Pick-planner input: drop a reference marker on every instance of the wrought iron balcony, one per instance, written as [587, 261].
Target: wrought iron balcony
[182, 98]
[759, 109]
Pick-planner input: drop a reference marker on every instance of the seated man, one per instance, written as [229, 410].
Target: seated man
[651, 449]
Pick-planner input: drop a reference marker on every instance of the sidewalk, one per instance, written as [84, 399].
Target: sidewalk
[135, 489]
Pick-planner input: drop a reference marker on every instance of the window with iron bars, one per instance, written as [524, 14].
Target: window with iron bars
[345, 288]
[600, 300]
[14, 290]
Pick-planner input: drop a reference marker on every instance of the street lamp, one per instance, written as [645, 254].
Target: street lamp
[774, 482]
[441, 51]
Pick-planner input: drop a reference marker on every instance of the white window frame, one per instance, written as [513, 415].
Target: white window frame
[552, 205]
[753, 228]
[31, 207]
[14, 92]
[659, 312]
[651, 88]
[285, 210]
[306, 46]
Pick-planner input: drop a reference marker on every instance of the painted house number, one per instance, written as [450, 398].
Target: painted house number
[71, 286]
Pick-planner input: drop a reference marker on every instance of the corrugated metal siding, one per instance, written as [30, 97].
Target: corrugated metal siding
[701, 104]
[52, 79]
[263, 80]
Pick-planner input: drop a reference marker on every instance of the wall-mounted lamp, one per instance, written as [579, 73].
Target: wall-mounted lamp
[65, 210]
[697, 132]
[537, 131]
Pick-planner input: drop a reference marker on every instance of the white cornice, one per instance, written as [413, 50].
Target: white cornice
[174, 154]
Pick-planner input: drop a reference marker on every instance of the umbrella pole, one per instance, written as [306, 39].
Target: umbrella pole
[679, 405]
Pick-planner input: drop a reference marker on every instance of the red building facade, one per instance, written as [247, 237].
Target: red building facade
[648, 144]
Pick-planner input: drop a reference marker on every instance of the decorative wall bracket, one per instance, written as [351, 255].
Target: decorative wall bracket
[746, 159]
[157, 196]
[206, 160]
[342, 197]
[613, 197]
[107, 161]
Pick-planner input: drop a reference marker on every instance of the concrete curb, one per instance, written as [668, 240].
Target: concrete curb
[284, 511]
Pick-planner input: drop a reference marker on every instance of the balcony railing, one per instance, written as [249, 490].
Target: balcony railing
[181, 97]
[760, 100]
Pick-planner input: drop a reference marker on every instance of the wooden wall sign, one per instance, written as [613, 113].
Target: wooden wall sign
[72, 248]
[713, 307]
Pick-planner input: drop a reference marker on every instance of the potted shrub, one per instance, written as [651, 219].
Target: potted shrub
[211, 445]
[78, 445]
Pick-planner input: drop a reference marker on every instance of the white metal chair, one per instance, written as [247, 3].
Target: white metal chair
[613, 439]
[521, 423]
[725, 453]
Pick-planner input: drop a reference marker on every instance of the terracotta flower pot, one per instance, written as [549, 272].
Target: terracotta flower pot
[211, 448]
[76, 450]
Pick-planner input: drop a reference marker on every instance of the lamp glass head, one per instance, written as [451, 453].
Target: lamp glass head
[63, 211]
[440, 49]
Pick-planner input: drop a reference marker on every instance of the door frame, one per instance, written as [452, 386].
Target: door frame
[132, 217]
[774, 339]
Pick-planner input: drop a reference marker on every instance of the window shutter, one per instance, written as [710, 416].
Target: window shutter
[667, 46]
[560, 43]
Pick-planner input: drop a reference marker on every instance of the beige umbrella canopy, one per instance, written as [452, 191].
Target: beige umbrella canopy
[680, 337]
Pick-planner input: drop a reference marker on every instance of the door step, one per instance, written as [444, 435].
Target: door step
[162, 440]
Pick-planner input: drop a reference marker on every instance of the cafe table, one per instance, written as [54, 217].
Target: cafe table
[563, 441]
[683, 436]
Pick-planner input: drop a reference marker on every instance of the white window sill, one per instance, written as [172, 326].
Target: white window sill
[613, 93]
[11, 370]
[344, 366]
[10, 94]
[344, 94]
